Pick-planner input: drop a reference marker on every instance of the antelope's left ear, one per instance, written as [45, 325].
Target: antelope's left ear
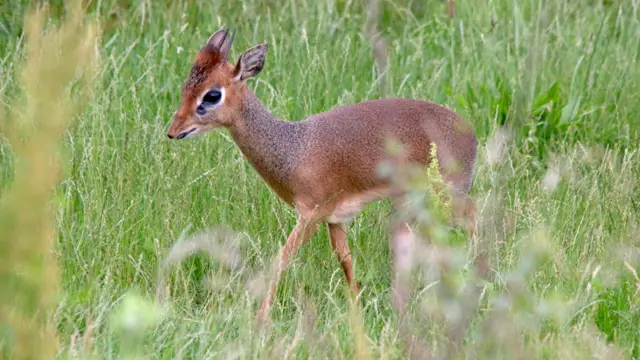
[251, 62]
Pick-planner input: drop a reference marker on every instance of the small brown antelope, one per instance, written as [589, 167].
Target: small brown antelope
[326, 165]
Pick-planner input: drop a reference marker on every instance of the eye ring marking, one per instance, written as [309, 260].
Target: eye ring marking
[210, 99]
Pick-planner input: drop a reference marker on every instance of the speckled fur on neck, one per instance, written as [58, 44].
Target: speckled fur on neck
[272, 146]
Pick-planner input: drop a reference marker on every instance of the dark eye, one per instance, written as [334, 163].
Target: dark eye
[212, 97]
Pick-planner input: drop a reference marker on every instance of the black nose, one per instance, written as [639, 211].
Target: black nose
[170, 137]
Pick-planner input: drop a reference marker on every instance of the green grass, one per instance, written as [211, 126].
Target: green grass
[563, 75]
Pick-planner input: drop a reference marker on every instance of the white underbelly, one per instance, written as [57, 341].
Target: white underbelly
[352, 205]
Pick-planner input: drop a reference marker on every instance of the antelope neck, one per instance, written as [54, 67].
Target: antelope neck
[271, 145]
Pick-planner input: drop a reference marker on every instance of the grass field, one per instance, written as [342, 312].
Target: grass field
[559, 194]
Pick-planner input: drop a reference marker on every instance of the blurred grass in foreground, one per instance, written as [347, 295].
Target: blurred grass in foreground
[55, 83]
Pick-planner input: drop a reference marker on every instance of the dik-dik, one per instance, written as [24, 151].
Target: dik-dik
[325, 166]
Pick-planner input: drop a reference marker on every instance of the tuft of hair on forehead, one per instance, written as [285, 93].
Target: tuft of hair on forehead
[206, 61]
[210, 57]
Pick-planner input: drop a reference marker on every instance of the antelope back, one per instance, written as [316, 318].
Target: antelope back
[349, 141]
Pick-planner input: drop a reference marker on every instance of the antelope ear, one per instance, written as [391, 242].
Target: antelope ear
[251, 62]
[221, 41]
[216, 39]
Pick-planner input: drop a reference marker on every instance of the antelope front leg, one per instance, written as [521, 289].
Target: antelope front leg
[303, 230]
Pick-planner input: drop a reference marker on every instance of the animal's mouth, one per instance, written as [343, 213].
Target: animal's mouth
[187, 133]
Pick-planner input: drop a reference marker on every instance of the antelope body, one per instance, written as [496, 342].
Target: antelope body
[326, 165]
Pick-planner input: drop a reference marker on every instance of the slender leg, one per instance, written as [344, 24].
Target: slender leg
[303, 230]
[402, 247]
[464, 213]
[338, 235]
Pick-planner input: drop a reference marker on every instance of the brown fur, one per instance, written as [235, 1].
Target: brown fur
[326, 165]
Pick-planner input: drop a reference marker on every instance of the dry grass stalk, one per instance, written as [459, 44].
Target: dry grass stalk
[57, 58]
[220, 244]
[378, 44]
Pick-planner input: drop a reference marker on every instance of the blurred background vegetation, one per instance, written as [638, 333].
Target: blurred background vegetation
[550, 87]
